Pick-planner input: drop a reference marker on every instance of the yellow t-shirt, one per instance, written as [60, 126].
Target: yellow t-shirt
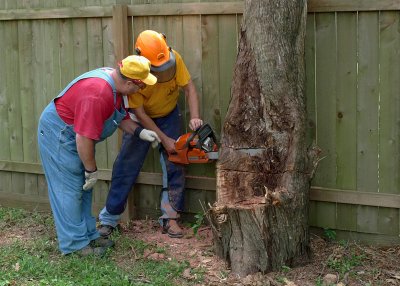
[160, 99]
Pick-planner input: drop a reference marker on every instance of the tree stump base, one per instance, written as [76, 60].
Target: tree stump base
[255, 236]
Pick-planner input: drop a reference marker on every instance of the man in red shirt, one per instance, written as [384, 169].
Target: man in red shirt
[86, 112]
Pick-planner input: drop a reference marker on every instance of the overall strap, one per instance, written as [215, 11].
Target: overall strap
[99, 73]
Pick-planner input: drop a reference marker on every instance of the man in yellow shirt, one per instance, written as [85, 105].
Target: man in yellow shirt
[155, 108]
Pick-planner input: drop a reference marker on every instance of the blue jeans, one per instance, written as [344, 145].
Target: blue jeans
[127, 168]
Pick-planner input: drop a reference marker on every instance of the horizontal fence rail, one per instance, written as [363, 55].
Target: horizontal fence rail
[204, 183]
[212, 8]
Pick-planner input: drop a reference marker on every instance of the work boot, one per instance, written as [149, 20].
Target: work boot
[171, 227]
[91, 251]
[106, 230]
[102, 242]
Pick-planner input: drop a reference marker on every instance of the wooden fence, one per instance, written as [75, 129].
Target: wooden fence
[353, 93]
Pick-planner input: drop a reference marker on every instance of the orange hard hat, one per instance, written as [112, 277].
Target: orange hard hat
[153, 46]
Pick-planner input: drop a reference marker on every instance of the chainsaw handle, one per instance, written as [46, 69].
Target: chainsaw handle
[190, 138]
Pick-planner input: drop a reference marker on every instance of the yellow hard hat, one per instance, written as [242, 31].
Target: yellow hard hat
[137, 67]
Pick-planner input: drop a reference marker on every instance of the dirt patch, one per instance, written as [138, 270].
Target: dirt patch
[336, 262]
[341, 262]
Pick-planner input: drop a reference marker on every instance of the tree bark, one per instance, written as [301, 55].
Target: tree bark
[260, 219]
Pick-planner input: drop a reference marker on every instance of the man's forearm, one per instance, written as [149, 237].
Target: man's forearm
[85, 147]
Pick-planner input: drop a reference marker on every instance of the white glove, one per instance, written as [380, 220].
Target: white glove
[150, 136]
[90, 180]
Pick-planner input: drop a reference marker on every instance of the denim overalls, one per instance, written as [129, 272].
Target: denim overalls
[65, 173]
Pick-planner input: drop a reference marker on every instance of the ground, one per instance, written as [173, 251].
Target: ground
[332, 262]
[342, 262]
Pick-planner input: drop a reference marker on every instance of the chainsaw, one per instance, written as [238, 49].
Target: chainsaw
[195, 147]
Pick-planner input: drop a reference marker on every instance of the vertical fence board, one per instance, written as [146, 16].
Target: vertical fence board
[326, 93]
[389, 115]
[388, 221]
[228, 47]
[29, 124]
[12, 82]
[367, 219]
[192, 55]
[389, 118]
[346, 117]
[95, 60]
[5, 177]
[326, 66]
[109, 61]
[367, 102]
[367, 116]
[210, 78]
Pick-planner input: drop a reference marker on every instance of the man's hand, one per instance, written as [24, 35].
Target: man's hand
[195, 123]
[169, 145]
[90, 180]
[150, 136]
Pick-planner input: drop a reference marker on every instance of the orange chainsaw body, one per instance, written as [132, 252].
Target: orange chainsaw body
[188, 150]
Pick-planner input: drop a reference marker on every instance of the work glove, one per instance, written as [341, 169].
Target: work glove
[90, 180]
[150, 136]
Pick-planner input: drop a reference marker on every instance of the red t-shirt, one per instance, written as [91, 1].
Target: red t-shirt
[87, 105]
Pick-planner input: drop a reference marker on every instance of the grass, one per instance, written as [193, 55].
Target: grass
[30, 257]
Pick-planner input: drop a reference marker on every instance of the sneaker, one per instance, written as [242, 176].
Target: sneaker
[102, 242]
[106, 230]
[91, 251]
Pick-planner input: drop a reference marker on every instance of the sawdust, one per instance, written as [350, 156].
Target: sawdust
[378, 265]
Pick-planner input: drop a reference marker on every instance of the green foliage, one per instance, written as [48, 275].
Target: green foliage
[281, 280]
[198, 274]
[329, 234]
[286, 269]
[199, 221]
[35, 259]
[11, 216]
[345, 263]
[319, 282]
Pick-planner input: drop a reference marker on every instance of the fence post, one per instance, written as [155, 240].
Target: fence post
[121, 50]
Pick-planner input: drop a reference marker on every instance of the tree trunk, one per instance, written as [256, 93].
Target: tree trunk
[260, 219]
